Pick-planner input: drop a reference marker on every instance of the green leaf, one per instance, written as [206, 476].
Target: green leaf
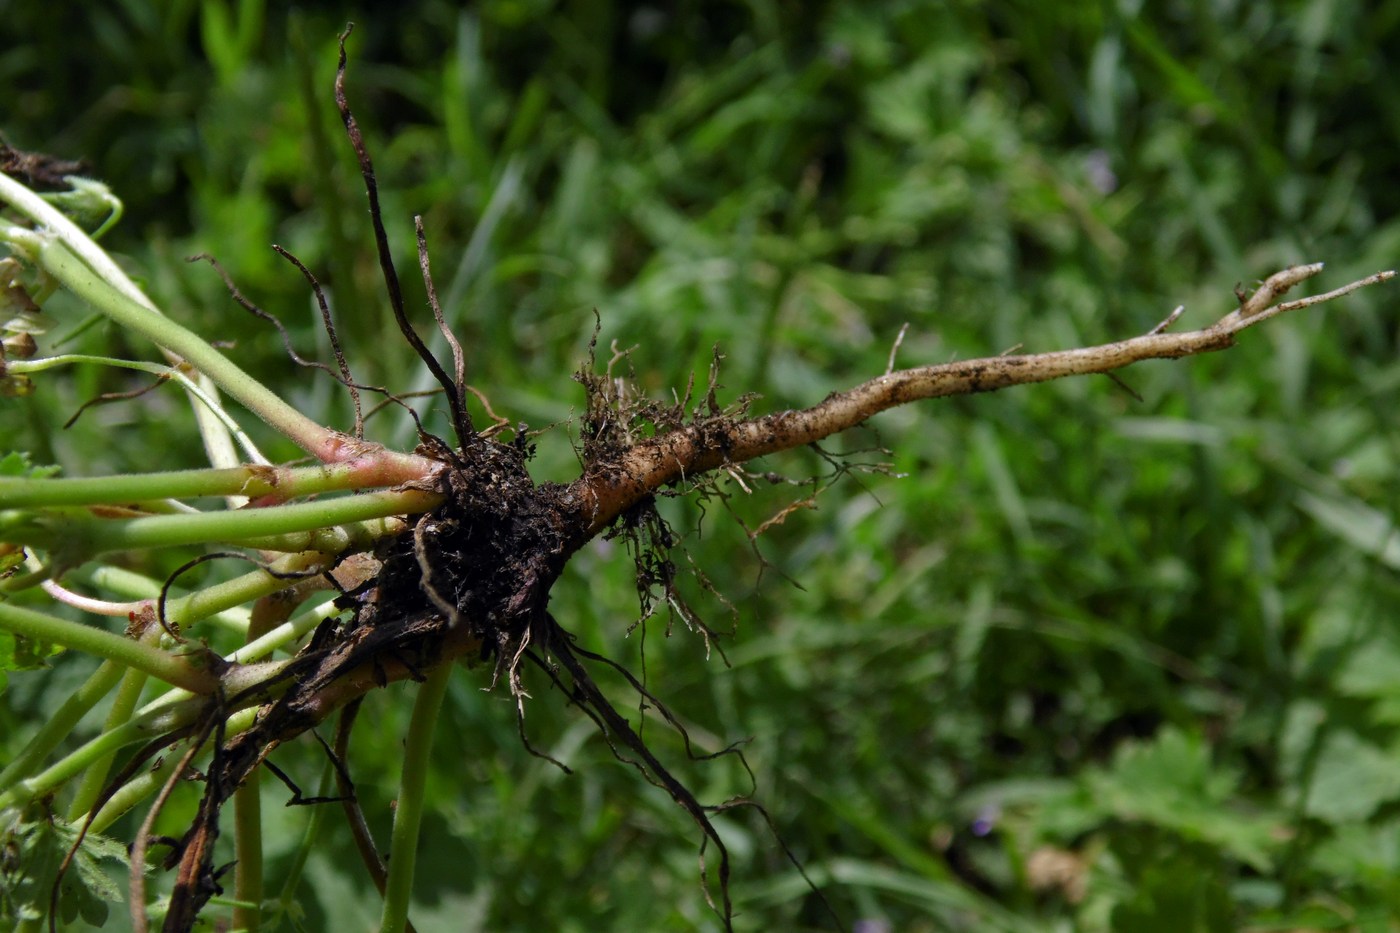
[89, 204]
[1171, 783]
[1353, 779]
[33, 844]
[1177, 893]
[18, 653]
[16, 463]
[1368, 530]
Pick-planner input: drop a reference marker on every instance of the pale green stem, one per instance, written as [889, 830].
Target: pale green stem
[321, 442]
[95, 777]
[216, 426]
[248, 848]
[408, 815]
[96, 279]
[68, 715]
[68, 766]
[174, 710]
[219, 600]
[137, 314]
[219, 597]
[62, 264]
[104, 644]
[253, 481]
[287, 632]
[222, 602]
[310, 525]
[248, 853]
[73, 258]
[131, 793]
[141, 787]
[62, 721]
[57, 224]
[291, 878]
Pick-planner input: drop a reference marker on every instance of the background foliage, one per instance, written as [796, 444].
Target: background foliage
[1088, 662]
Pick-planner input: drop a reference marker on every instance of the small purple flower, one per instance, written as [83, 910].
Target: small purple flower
[872, 926]
[986, 820]
[1099, 167]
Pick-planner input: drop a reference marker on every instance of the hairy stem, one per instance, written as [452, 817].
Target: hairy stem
[303, 526]
[271, 482]
[95, 641]
[67, 254]
[123, 706]
[63, 721]
[315, 439]
[408, 817]
[248, 854]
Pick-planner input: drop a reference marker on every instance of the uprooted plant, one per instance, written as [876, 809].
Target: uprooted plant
[423, 558]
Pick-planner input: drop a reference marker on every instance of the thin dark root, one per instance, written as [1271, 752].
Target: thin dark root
[215, 555]
[615, 727]
[745, 803]
[458, 390]
[734, 749]
[1118, 380]
[128, 771]
[731, 749]
[329, 325]
[386, 262]
[553, 674]
[343, 377]
[139, 919]
[257, 312]
[170, 581]
[298, 798]
[107, 397]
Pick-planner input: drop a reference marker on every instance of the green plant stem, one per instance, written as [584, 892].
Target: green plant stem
[217, 600]
[183, 609]
[248, 853]
[96, 279]
[141, 787]
[57, 225]
[302, 526]
[162, 714]
[62, 722]
[291, 877]
[216, 427]
[254, 481]
[66, 767]
[95, 777]
[104, 644]
[60, 262]
[288, 631]
[408, 817]
[248, 841]
[211, 600]
[174, 710]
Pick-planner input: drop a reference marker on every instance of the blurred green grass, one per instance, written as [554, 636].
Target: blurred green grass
[1155, 640]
